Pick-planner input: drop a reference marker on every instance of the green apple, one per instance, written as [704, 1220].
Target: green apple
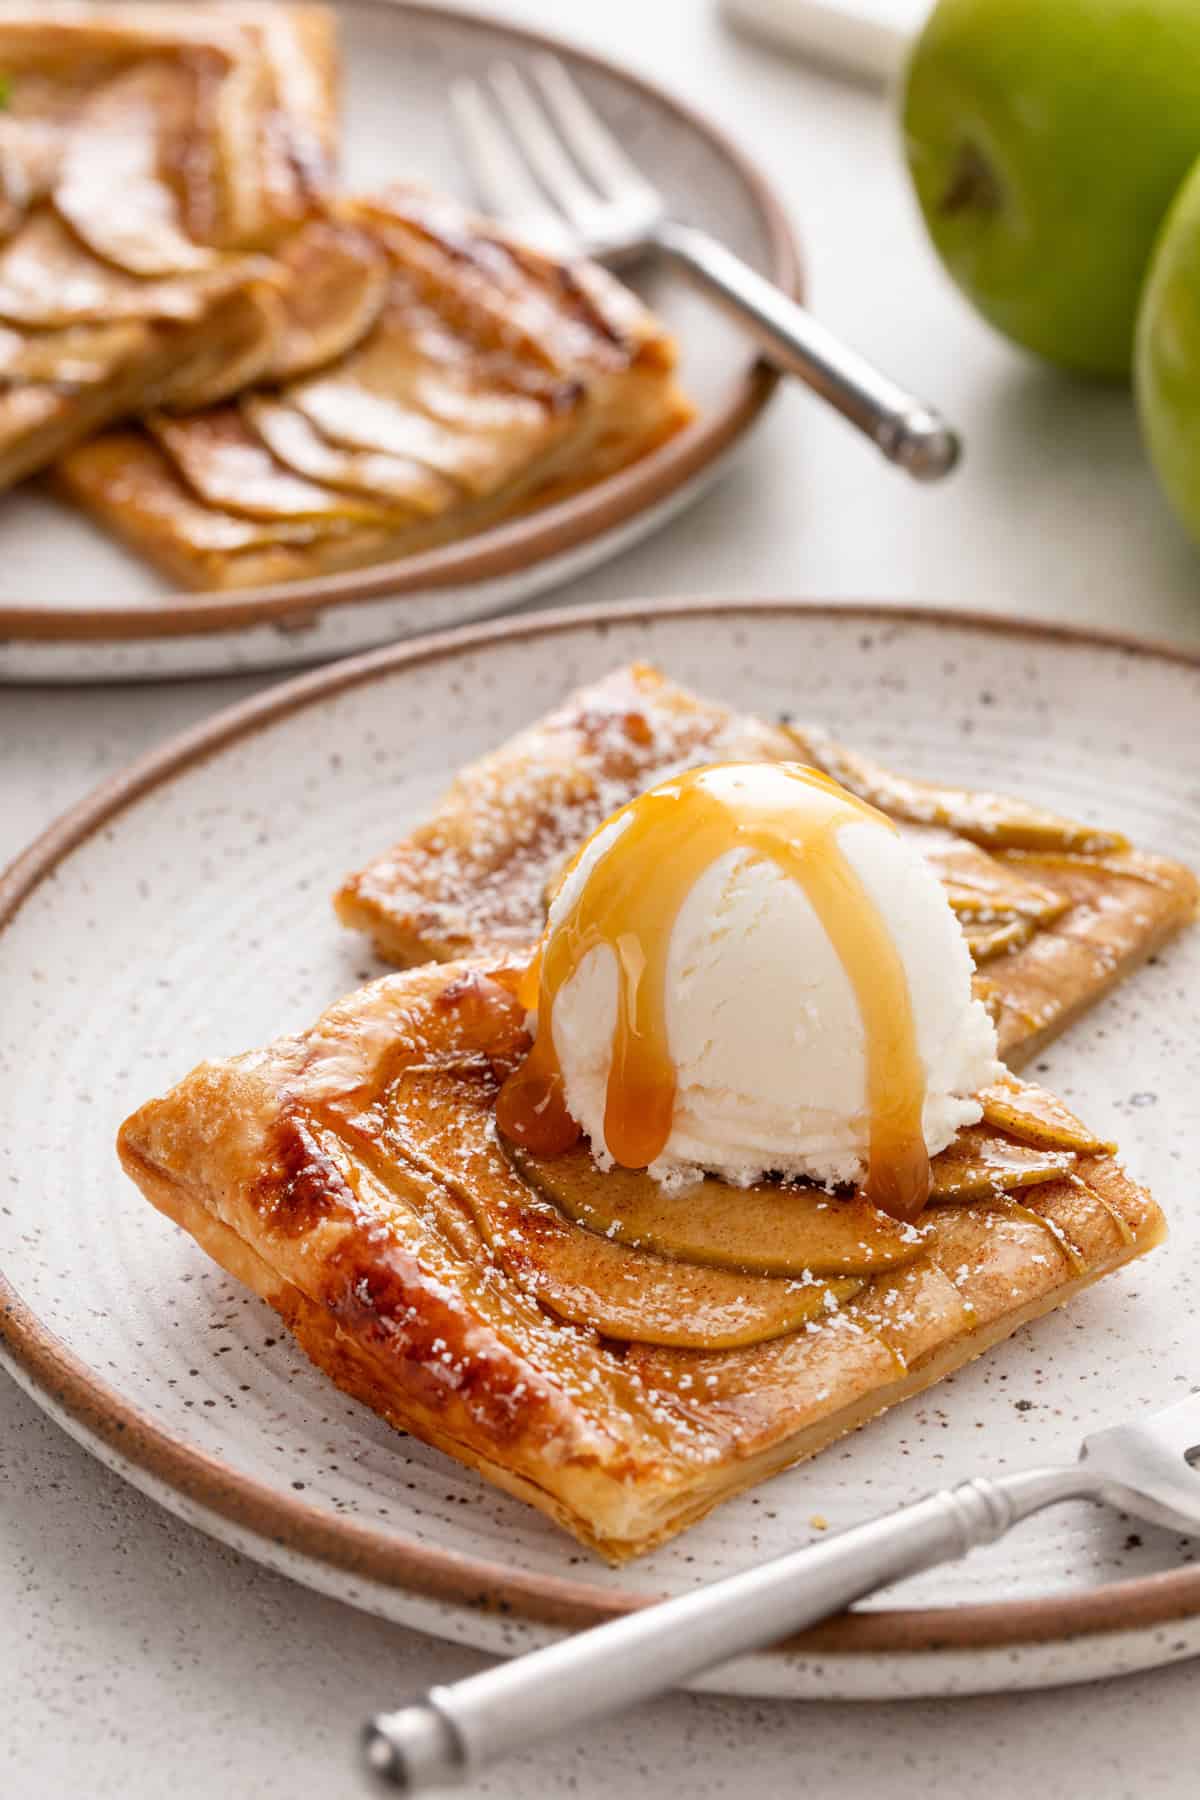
[1167, 359]
[1046, 139]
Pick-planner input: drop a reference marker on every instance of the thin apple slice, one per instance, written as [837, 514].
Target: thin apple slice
[110, 187]
[336, 282]
[628, 1294]
[642, 1298]
[1107, 1185]
[1036, 1117]
[982, 889]
[391, 395]
[223, 463]
[998, 906]
[26, 409]
[240, 356]
[1004, 1254]
[988, 941]
[30, 149]
[128, 481]
[990, 819]
[1074, 874]
[1088, 1230]
[766, 1230]
[979, 1164]
[297, 443]
[49, 279]
[78, 356]
[912, 1312]
[442, 1122]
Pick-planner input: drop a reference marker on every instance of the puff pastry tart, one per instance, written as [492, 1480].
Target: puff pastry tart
[354, 1178]
[1055, 912]
[149, 155]
[483, 380]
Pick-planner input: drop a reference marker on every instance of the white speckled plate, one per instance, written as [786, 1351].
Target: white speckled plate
[75, 606]
[183, 912]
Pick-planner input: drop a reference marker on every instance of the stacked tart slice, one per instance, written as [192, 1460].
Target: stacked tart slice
[150, 157]
[462, 378]
[621, 1354]
[303, 381]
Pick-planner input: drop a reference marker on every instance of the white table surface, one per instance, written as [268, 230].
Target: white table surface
[138, 1658]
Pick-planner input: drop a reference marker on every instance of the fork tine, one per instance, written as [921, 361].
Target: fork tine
[542, 148]
[591, 143]
[502, 182]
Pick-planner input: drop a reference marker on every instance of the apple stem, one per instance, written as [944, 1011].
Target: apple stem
[973, 184]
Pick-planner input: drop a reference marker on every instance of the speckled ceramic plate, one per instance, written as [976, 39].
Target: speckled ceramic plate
[75, 606]
[183, 912]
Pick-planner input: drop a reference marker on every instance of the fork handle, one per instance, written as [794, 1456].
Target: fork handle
[908, 432]
[456, 1731]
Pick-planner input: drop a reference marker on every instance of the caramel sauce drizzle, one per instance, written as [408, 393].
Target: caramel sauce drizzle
[629, 904]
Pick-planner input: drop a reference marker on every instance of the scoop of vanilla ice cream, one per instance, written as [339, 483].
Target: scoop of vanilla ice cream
[762, 1021]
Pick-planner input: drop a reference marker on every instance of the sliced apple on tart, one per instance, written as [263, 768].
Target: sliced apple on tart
[354, 1178]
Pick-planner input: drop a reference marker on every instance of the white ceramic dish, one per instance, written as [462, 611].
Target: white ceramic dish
[183, 912]
[74, 606]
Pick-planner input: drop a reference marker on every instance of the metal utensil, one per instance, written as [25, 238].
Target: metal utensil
[1150, 1469]
[545, 165]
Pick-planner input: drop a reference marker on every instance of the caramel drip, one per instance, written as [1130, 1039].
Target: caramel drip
[629, 904]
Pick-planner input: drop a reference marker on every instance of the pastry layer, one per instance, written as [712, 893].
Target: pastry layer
[352, 1176]
[1056, 912]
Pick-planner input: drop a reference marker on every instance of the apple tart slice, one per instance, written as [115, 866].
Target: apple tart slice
[1055, 912]
[164, 133]
[482, 379]
[149, 155]
[620, 1361]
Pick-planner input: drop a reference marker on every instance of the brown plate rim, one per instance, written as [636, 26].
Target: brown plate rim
[133, 1437]
[507, 548]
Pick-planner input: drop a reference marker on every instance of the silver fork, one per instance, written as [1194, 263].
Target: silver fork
[1148, 1469]
[545, 165]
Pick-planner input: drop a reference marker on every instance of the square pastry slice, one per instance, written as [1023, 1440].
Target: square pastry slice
[507, 1309]
[487, 380]
[1055, 912]
[148, 155]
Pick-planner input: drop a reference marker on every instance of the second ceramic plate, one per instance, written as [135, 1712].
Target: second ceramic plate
[74, 606]
[184, 912]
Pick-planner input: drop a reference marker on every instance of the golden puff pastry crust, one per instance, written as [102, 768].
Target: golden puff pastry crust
[352, 1176]
[1055, 912]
